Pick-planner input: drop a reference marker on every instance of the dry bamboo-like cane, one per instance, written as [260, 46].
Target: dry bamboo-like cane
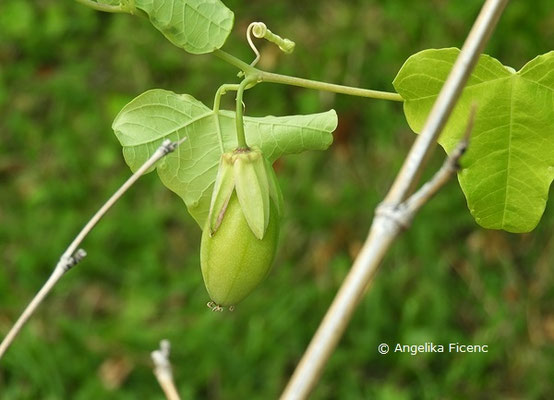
[391, 217]
[163, 371]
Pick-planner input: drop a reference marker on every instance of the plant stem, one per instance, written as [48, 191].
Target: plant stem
[104, 7]
[449, 167]
[306, 83]
[234, 61]
[328, 87]
[163, 371]
[223, 89]
[70, 257]
[239, 119]
[425, 142]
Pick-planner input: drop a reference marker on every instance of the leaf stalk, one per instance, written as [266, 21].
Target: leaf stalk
[271, 77]
[223, 89]
[105, 7]
[241, 137]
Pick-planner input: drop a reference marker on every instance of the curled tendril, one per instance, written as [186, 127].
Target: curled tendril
[260, 31]
[251, 43]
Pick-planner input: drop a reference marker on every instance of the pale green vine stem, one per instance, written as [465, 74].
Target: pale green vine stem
[223, 89]
[328, 87]
[105, 7]
[305, 83]
[237, 62]
[241, 137]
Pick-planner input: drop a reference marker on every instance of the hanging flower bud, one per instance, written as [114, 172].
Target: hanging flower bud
[240, 237]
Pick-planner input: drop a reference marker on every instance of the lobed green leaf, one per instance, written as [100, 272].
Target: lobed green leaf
[509, 165]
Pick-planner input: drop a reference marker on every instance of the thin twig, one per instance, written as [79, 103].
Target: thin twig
[72, 256]
[389, 222]
[443, 175]
[385, 228]
[403, 213]
[163, 372]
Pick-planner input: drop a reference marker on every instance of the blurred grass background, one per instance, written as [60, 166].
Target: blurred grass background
[65, 71]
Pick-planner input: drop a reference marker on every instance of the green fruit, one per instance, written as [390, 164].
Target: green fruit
[233, 260]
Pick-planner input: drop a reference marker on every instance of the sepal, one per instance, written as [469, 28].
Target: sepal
[252, 193]
[223, 189]
[251, 175]
[275, 193]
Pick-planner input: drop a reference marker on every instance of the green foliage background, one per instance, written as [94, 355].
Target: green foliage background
[65, 72]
